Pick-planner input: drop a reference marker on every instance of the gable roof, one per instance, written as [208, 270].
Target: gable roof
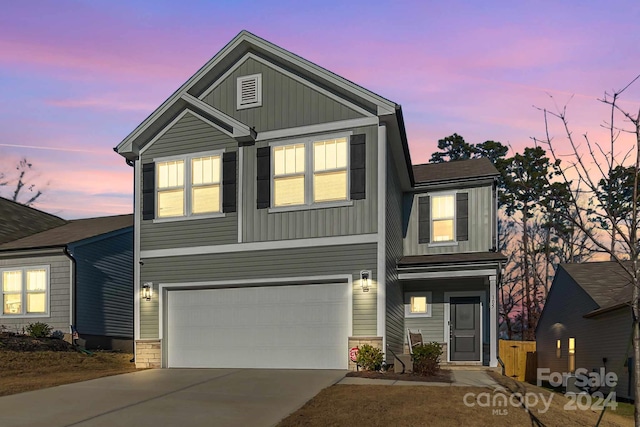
[606, 282]
[71, 232]
[188, 96]
[19, 221]
[453, 171]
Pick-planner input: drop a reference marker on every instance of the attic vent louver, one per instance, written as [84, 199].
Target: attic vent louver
[249, 91]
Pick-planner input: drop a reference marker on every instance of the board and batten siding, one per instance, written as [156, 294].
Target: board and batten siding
[277, 263]
[189, 135]
[480, 226]
[393, 252]
[104, 286]
[360, 218]
[286, 102]
[59, 291]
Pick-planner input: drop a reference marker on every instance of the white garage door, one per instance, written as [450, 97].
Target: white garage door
[301, 327]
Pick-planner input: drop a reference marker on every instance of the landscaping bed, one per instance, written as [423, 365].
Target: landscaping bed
[441, 376]
[13, 342]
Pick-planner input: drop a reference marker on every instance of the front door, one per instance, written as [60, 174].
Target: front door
[464, 335]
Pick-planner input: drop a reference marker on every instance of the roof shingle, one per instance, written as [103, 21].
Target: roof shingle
[606, 282]
[18, 221]
[455, 170]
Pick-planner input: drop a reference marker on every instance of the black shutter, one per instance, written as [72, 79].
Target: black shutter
[229, 182]
[424, 220]
[148, 190]
[358, 162]
[264, 177]
[462, 216]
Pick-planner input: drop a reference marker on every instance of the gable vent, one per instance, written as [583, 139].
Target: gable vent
[249, 91]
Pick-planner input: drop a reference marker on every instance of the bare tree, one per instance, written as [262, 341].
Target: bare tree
[589, 164]
[23, 190]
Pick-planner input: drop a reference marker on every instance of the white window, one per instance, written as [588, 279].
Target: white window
[417, 304]
[311, 172]
[443, 218]
[249, 91]
[24, 291]
[572, 354]
[189, 186]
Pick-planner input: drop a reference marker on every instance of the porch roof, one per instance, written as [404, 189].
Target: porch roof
[471, 257]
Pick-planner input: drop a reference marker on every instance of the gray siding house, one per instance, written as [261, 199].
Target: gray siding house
[79, 273]
[279, 222]
[587, 323]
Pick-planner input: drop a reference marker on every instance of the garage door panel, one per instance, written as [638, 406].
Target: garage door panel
[301, 326]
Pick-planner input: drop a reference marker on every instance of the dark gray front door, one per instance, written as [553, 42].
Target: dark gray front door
[464, 337]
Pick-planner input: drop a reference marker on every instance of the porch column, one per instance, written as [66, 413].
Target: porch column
[493, 322]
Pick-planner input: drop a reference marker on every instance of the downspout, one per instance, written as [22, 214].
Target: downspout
[73, 285]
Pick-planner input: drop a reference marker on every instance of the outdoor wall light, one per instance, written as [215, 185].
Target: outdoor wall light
[147, 291]
[365, 279]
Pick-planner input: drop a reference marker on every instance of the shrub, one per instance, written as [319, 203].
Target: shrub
[369, 357]
[39, 330]
[426, 358]
[57, 335]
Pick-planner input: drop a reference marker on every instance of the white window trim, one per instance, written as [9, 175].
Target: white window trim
[308, 173]
[407, 307]
[24, 313]
[454, 242]
[258, 101]
[186, 158]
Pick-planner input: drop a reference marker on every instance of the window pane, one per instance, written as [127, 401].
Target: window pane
[330, 147]
[12, 281]
[319, 159]
[196, 171]
[299, 158]
[418, 304]
[171, 203]
[205, 199]
[330, 154]
[442, 207]
[170, 174]
[341, 153]
[443, 230]
[288, 159]
[288, 191]
[12, 304]
[36, 303]
[36, 280]
[205, 170]
[278, 160]
[330, 186]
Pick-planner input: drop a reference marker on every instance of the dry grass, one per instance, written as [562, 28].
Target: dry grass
[433, 406]
[26, 371]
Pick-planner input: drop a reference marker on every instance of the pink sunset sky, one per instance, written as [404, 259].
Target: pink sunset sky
[77, 76]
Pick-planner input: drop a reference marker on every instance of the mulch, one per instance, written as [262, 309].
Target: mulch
[441, 376]
[13, 342]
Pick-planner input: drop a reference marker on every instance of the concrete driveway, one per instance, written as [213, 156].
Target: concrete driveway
[170, 397]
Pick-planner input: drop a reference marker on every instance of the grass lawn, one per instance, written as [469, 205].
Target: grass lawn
[373, 405]
[26, 371]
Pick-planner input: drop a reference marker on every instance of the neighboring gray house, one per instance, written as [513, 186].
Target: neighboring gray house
[587, 322]
[78, 273]
[279, 222]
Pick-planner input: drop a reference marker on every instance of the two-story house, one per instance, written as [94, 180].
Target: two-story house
[279, 222]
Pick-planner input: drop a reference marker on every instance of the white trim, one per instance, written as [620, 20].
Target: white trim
[239, 128]
[442, 274]
[355, 239]
[381, 313]
[493, 322]
[319, 128]
[176, 120]
[258, 96]
[137, 209]
[24, 293]
[429, 306]
[239, 194]
[290, 75]
[447, 318]
[164, 288]
[71, 294]
[321, 205]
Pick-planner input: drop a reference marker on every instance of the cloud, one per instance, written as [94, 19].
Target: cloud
[67, 149]
[103, 104]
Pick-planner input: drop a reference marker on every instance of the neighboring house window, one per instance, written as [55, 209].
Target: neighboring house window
[572, 354]
[190, 185]
[443, 218]
[558, 349]
[294, 183]
[249, 91]
[418, 304]
[24, 291]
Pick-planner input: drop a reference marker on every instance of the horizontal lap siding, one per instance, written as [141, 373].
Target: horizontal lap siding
[104, 286]
[286, 102]
[59, 292]
[189, 135]
[266, 264]
[361, 218]
[480, 226]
